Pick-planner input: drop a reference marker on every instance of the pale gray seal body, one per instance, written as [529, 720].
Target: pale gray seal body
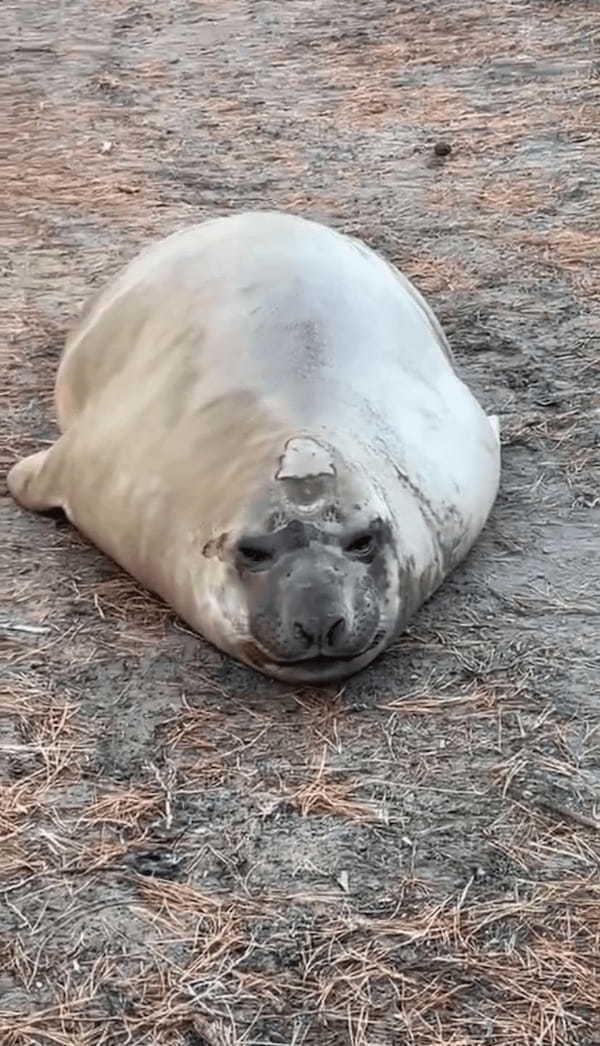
[262, 423]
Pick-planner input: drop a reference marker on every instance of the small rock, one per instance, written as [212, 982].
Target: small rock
[344, 881]
[442, 148]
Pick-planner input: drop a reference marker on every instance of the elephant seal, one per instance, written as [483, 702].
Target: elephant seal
[262, 422]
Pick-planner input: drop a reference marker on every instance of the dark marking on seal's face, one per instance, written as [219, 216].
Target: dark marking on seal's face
[327, 514]
[216, 546]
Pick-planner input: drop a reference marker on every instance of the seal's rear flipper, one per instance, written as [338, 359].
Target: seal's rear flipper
[30, 482]
[494, 422]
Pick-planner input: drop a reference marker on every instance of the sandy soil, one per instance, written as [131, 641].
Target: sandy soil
[192, 855]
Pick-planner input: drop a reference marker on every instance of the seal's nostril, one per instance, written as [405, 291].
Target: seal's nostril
[335, 633]
[320, 635]
[303, 634]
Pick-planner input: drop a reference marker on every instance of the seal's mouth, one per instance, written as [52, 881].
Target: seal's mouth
[313, 668]
[323, 661]
[318, 664]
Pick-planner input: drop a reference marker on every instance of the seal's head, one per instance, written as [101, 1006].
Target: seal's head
[314, 572]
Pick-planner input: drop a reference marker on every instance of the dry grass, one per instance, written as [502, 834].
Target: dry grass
[324, 794]
[140, 617]
[533, 957]
[519, 967]
[576, 251]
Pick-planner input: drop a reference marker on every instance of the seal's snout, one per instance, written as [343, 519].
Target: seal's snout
[310, 614]
[322, 634]
[313, 610]
[316, 605]
[316, 597]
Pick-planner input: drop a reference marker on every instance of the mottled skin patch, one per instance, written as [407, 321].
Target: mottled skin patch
[305, 458]
[216, 546]
[440, 524]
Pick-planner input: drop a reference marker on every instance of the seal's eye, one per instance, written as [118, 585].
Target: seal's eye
[362, 546]
[254, 555]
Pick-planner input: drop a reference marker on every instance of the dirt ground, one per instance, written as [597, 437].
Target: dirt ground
[190, 854]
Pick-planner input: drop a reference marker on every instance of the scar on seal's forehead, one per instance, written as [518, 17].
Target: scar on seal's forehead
[304, 458]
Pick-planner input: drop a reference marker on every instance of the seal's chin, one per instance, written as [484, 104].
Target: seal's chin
[318, 670]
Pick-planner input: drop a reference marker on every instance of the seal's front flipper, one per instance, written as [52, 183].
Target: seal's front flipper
[495, 423]
[31, 484]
